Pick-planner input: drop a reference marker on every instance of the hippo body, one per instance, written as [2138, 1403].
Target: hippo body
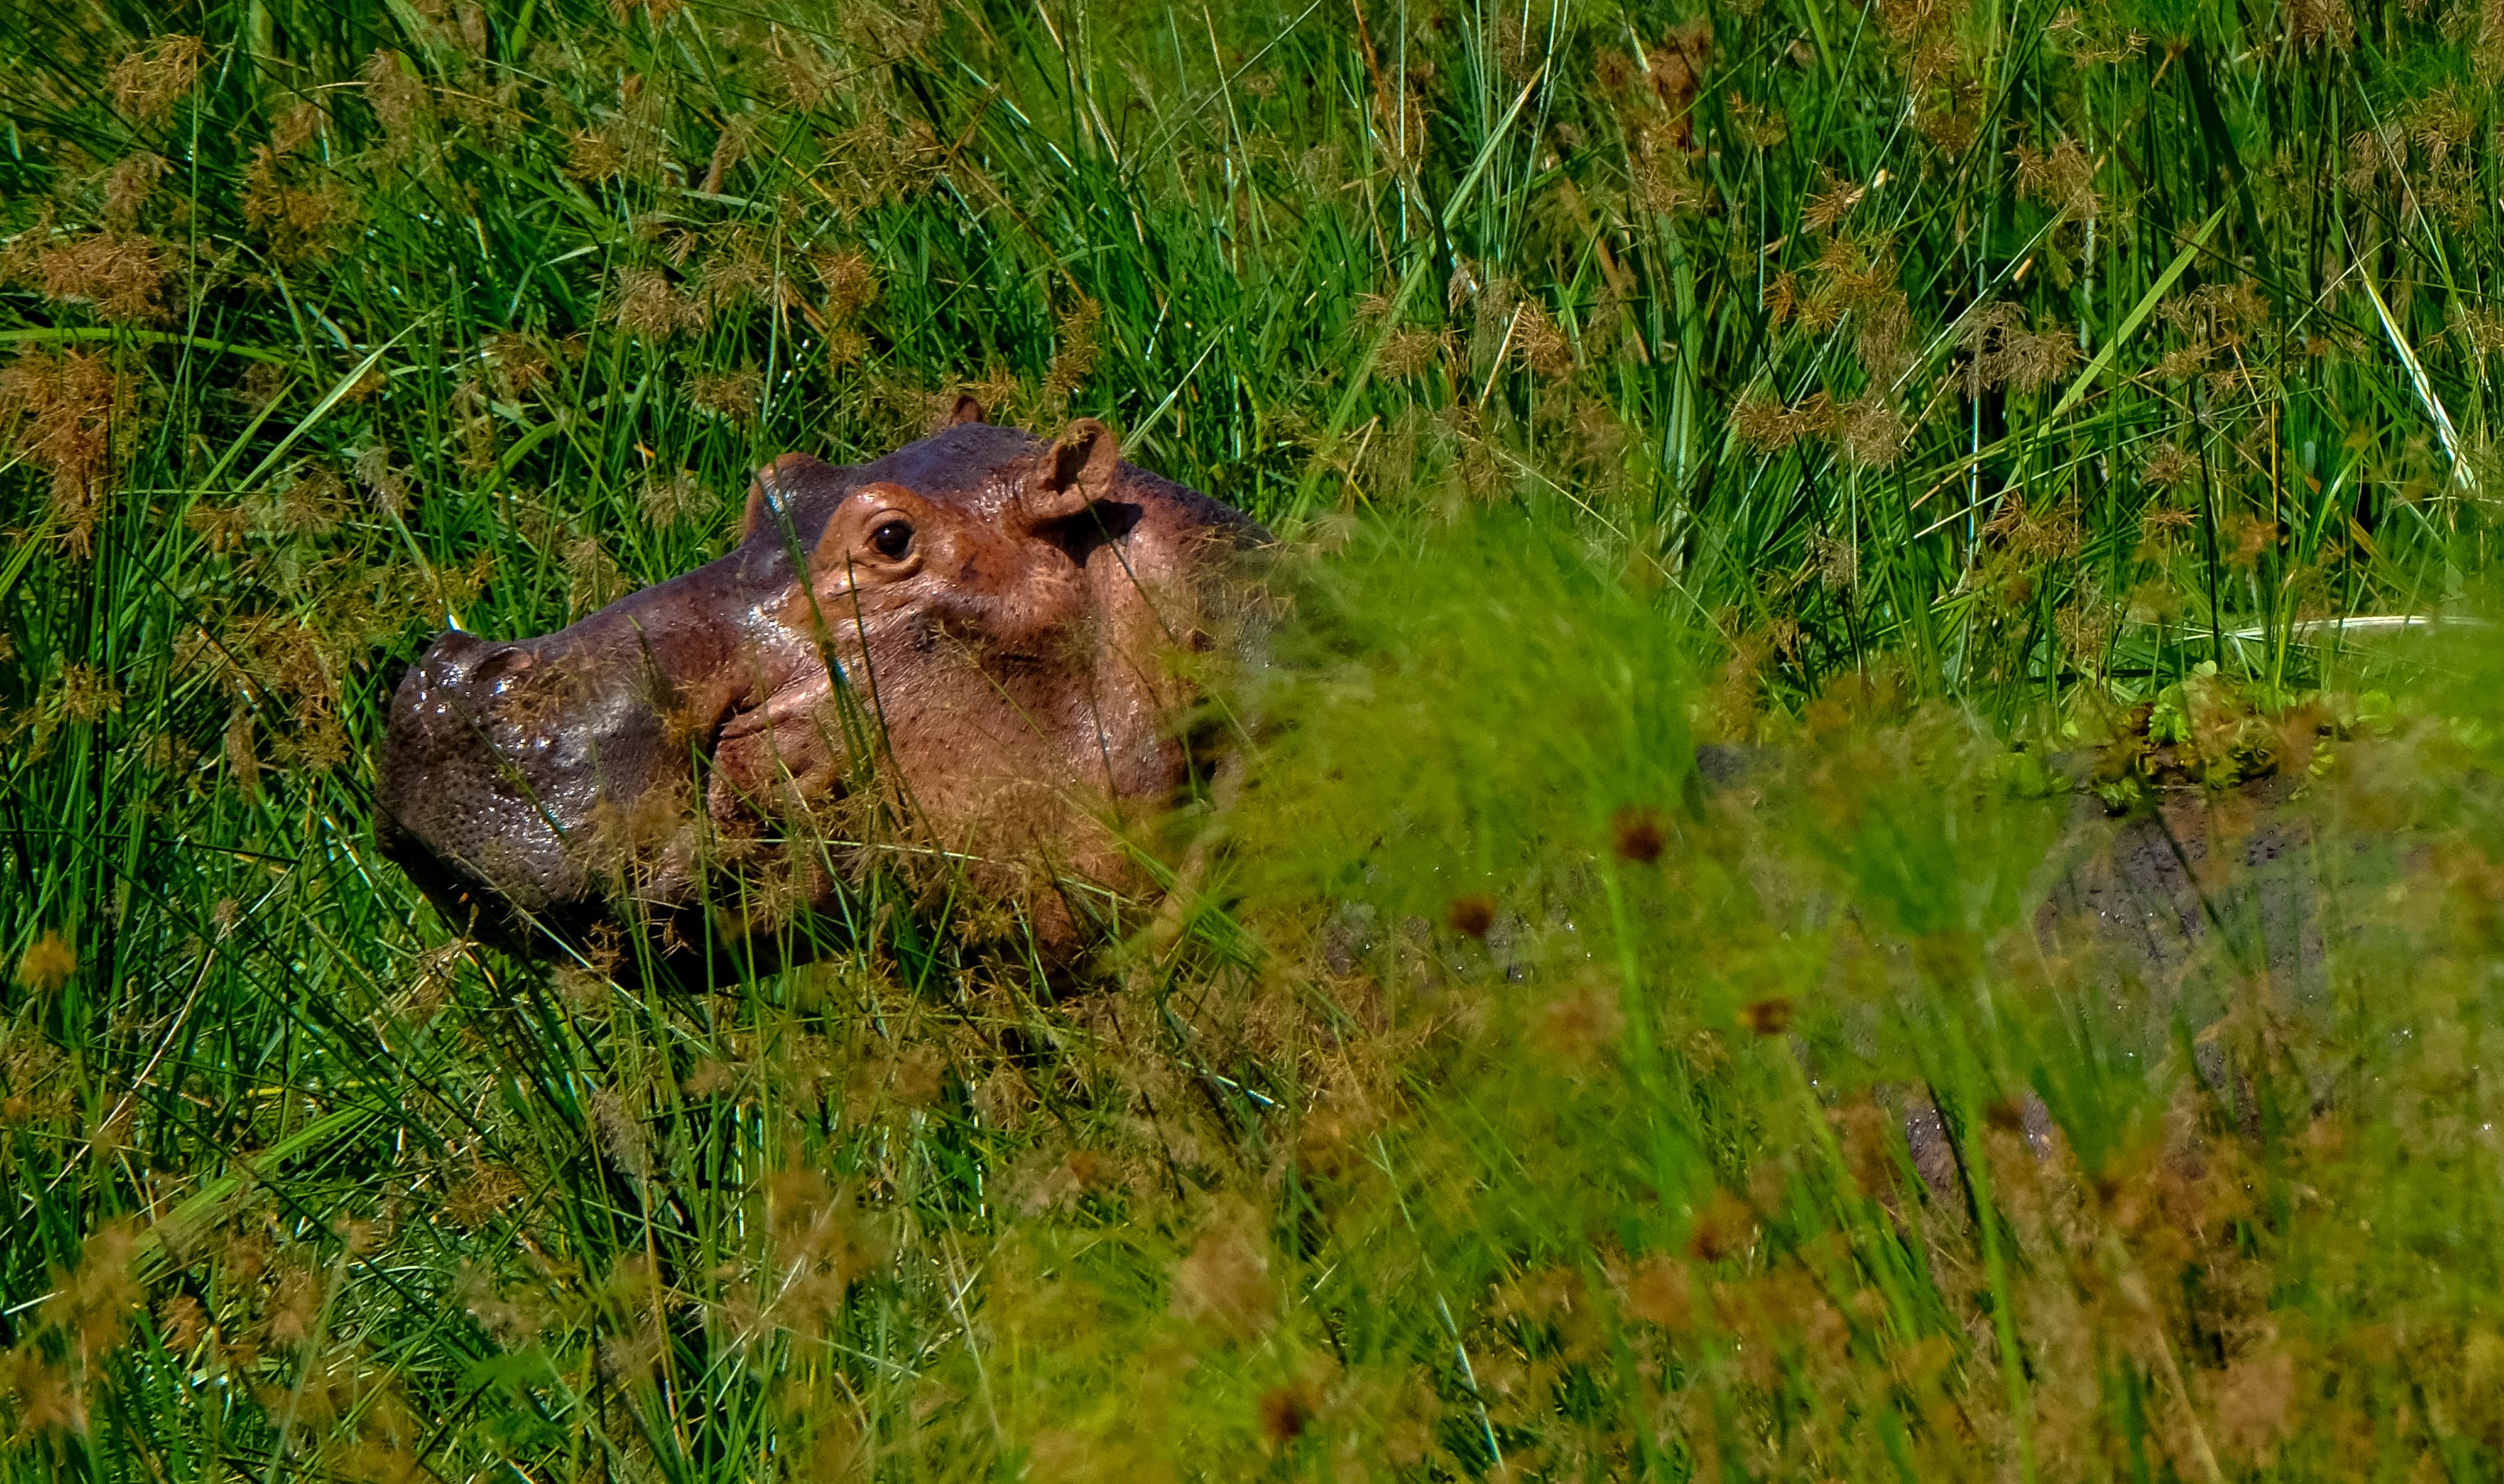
[960, 647]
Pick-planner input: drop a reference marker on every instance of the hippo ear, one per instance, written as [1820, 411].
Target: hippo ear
[956, 414]
[1078, 469]
[776, 487]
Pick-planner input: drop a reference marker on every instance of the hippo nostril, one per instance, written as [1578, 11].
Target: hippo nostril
[459, 661]
[501, 665]
[454, 652]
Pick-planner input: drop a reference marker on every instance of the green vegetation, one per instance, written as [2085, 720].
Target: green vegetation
[1892, 385]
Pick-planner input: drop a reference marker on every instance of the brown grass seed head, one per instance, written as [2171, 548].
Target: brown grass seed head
[1636, 834]
[1770, 1017]
[148, 83]
[48, 964]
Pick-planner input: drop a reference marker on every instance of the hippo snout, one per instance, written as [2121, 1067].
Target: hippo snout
[502, 767]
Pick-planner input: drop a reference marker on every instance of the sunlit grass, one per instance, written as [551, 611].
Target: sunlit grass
[1959, 418]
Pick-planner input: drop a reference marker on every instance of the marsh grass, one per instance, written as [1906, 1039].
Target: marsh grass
[1493, 1097]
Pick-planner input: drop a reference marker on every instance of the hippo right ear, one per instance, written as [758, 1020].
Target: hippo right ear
[1076, 471]
[956, 414]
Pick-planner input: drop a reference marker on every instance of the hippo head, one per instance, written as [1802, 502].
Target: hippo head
[959, 653]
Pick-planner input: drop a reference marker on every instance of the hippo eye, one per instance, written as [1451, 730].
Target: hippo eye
[892, 539]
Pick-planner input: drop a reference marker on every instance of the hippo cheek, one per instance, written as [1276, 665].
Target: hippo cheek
[1025, 606]
[783, 770]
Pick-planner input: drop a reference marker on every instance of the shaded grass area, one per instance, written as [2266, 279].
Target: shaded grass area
[1493, 1098]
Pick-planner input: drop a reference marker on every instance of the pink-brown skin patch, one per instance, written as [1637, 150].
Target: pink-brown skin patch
[973, 634]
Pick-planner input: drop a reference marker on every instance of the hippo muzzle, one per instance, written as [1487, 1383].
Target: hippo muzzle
[975, 626]
[510, 772]
[474, 792]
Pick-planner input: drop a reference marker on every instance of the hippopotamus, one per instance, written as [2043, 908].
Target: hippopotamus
[957, 653]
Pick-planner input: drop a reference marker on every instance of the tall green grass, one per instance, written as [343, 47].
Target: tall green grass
[1491, 1097]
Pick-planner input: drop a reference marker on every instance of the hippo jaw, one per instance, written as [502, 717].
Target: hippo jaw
[965, 640]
